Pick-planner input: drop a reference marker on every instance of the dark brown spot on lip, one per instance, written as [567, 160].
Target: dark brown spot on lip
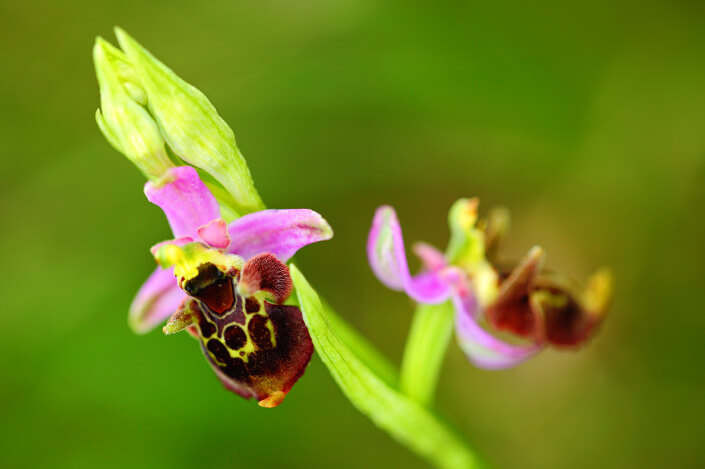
[236, 369]
[259, 333]
[219, 351]
[235, 337]
[207, 328]
[252, 305]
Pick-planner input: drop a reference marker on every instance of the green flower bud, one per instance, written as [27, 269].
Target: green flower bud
[124, 122]
[191, 126]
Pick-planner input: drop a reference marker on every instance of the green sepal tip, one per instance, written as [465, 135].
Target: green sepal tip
[127, 125]
[191, 126]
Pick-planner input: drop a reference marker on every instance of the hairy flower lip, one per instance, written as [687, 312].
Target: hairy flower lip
[257, 348]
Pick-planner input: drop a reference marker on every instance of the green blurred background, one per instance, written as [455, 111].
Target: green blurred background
[586, 120]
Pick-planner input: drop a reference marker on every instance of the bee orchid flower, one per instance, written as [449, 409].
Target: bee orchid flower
[537, 307]
[226, 285]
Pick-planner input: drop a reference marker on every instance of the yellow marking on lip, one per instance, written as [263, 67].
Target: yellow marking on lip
[187, 258]
[272, 337]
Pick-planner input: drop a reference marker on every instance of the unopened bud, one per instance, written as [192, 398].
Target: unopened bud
[124, 122]
[191, 125]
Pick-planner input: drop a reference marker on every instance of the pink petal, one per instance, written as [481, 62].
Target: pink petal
[215, 233]
[385, 252]
[431, 258]
[158, 298]
[185, 200]
[482, 348]
[281, 232]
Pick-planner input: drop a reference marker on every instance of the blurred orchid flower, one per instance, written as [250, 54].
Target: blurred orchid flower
[538, 307]
[227, 283]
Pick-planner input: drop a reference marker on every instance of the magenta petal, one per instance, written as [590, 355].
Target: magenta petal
[427, 287]
[431, 258]
[385, 251]
[215, 234]
[185, 200]
[158, 298]
[482, 348]
[281, 232]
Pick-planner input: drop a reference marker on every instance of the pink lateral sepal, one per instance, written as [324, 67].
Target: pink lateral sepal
[385, 251]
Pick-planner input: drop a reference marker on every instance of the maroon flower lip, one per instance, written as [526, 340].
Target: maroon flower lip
[257, 348]
[548, 308]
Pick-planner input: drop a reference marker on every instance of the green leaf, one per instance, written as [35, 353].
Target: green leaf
[411, 424]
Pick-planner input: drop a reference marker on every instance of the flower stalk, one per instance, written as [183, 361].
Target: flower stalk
[410, 423]
[426, 345]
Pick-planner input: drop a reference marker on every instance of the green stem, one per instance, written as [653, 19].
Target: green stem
[347, 356]
[426, 345]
